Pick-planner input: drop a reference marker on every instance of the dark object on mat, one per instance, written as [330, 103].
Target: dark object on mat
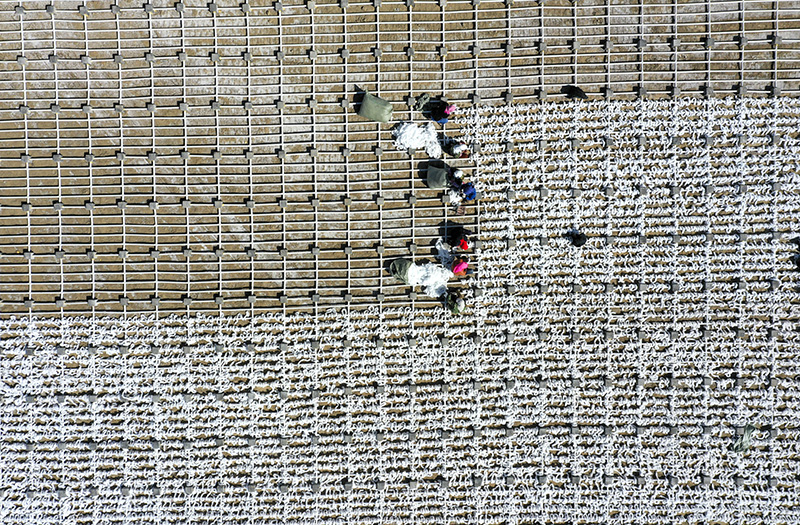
[574, 92]
[577, 238]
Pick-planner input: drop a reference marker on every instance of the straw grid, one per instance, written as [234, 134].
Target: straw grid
[605, 384]
[223, 380]
[206, 156]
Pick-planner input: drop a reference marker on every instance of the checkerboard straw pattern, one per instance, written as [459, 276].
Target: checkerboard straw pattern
[196, 321]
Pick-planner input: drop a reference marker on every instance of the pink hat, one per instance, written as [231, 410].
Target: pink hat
[460, 267]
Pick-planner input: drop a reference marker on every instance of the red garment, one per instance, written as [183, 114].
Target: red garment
[463, 244]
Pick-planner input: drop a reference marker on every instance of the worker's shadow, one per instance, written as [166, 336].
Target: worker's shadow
[422, 170]
[447, 226]
[424, 165]
[358, 98]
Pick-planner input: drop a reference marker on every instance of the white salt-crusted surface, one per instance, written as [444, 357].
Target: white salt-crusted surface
[602, 385]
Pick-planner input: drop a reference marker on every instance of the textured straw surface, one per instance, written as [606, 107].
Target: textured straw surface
[604, 384]
[208, 155]
[262, 366]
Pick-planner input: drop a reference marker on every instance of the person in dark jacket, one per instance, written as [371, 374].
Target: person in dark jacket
[454, 303]
[456, 179]
[457, 238]
[441, 111]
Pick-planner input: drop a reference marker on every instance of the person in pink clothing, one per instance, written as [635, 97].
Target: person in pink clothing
[460, 265]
